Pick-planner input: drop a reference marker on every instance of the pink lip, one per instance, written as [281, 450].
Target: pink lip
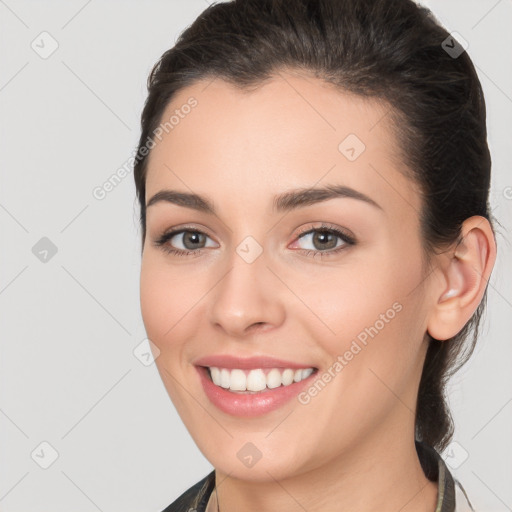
[248, 363]
[250, 405]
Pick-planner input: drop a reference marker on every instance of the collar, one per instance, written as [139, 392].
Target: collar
[435, 470]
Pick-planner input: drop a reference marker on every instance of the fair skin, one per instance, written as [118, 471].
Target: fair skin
[352, 446]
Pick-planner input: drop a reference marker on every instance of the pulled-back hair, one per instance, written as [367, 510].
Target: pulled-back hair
[394, 51]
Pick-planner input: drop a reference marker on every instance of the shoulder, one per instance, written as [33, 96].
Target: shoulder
[195, 497]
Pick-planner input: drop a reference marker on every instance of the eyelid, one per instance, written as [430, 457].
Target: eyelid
[325, 226]
[345, 235]
[179, 229]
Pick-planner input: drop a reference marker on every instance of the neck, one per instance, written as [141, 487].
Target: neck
[382, 474]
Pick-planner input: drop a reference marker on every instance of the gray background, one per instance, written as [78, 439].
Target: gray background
[68, 375]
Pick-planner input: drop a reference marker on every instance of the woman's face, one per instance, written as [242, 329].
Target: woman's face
[253, 285]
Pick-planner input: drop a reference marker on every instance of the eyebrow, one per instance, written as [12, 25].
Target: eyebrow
[290, 200]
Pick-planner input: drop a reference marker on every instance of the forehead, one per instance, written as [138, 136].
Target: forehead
[292, 131]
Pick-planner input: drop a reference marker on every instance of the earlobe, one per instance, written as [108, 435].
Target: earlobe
[465, 277]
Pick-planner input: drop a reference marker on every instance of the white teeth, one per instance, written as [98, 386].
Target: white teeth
[287, 377]
[238, 380]
[256, 380]
[224, 378]
[273, 378]
[306, 373]
[215, 374]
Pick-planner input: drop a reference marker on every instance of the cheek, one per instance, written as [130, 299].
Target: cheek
[371, 350]
[161, 301]
[151, 299]
[172, 300]
[374, 301]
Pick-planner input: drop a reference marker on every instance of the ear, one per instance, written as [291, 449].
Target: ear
[465, 273]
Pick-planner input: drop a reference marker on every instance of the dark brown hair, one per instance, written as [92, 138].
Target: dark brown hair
[390, 50]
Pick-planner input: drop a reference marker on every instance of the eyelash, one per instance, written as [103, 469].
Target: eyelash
[324, 228]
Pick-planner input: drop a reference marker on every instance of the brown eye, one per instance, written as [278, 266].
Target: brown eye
[324, 241]
[191, 239]
[183, 241]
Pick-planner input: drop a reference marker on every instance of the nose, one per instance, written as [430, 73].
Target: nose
[249, 297]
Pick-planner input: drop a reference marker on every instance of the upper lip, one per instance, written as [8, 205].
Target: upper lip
[247, 363]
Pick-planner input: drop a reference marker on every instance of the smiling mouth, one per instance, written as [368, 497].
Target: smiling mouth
[257, 380]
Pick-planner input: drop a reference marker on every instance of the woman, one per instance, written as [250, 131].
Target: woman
[313, 178]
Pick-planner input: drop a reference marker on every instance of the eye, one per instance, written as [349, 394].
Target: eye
[188, 241]
[326, 240]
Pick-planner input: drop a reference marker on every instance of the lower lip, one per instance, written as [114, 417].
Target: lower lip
[249, 405]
